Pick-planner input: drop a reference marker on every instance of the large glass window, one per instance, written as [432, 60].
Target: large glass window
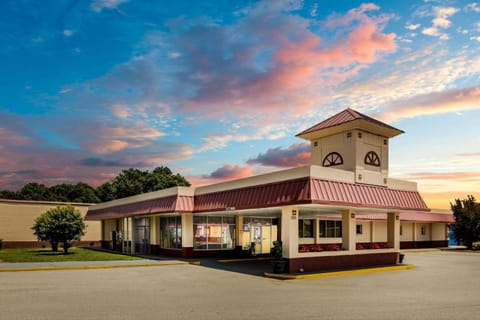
[214, 232]
[305, 228]
[171, 232]
[330, 229]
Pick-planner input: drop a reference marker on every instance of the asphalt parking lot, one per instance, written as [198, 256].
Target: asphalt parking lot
[444, 285]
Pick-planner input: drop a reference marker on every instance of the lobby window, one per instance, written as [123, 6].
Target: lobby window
[305, 228]
[330, 229]
[171, 232]
[214, 232]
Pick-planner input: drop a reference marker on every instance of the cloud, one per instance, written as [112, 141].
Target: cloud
[269, 61]
[473, 154]
[8, 137]
[412, 26]
[454, 100]
[68, 33]
[444, 175]
[99, 162]
[440, 21]
[228, 172]
[99, 5]
[296, 155]
[473, 7]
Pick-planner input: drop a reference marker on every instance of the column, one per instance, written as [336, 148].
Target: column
[187, 235]
[132, 238]
[348, 230]
[372, 231]
[238, 233]
[289, 232]
[393, 230]
[153, 230]
[414, 232]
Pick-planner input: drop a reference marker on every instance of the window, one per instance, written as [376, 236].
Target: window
[332, 159]
[330, 229]
[359, 229]
[371, 158]
[305, 228]
[171, 232]
[401, 230]
[214, 232]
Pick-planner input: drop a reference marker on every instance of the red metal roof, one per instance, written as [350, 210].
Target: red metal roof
[361, 195]
[298, 191]
[159, 205]
[345, 116]
[261, 196]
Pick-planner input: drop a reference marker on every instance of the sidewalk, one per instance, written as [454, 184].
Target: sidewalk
[77, 265]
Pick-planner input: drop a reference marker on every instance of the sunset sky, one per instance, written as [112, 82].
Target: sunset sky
[217, 90]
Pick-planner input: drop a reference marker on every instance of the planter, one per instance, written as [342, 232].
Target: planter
[279, 266]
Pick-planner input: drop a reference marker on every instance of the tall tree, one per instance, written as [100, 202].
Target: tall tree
[131, 182]
[61, 224]
[466, 227]
[34, 191]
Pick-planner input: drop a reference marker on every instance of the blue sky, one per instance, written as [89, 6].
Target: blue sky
[217, 90]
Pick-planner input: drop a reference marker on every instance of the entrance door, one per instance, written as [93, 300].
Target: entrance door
[260, 232]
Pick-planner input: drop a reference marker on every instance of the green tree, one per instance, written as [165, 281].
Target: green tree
[131, 182]
[61, 224]
[34, 191]
[466, 227]
[7, 194]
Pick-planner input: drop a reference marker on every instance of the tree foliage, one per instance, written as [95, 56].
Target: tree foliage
[61, 224]
[466, 227]
[128, 183]
[131, 182]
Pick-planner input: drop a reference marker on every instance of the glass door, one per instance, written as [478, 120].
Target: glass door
[259, 234]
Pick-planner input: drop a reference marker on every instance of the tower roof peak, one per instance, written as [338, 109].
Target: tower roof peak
[349, 119]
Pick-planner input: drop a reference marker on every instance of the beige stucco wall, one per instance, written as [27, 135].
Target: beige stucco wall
[17, 219]
[439, 231]
[380, 231]
[109, 226]
[366, 232]
[407, 231]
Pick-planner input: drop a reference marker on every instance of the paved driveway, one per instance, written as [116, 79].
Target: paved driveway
[444, 285]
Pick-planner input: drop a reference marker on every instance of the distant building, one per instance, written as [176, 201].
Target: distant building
[341, 211]
[17, 218]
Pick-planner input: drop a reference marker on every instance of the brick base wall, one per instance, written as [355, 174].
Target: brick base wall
[342, 262]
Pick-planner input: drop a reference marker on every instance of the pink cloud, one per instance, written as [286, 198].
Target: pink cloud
[444, 176]
[271, 61]
[228, 172]
[8, 137]
[455, 100]
[296, 155]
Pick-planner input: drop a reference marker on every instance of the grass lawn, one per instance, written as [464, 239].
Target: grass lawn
[47, 255]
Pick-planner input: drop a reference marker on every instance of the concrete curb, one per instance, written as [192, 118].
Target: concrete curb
[337, 273]
[106, 266]
[245, 260]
